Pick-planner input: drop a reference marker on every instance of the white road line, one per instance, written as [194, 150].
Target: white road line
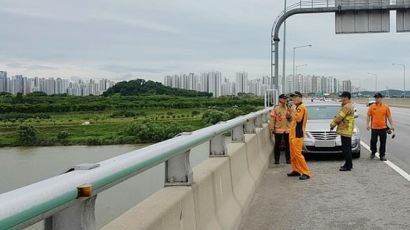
[389, 163]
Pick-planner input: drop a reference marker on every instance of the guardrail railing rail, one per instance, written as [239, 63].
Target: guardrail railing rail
[67, 201]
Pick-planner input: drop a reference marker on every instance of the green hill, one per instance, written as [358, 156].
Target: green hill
[142, 87]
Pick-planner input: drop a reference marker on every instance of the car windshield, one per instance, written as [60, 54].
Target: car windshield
[322, 112]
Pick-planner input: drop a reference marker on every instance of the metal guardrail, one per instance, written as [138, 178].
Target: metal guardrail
[67, 201]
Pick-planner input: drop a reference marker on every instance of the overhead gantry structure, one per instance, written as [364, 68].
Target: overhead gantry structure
[349, 15]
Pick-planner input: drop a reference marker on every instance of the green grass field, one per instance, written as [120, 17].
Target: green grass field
[102, 126]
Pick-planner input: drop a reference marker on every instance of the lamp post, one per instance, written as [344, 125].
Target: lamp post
[284, 53]
[299, 66]
[404, 78]
[375, 75]
[300, 86]
[294, 62]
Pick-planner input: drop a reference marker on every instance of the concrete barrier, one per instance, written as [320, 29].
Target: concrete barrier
[228, 208]
[258, 148]
[169, 208]
[265, 139]
[253, 154]
[242, 182]
[219, 196]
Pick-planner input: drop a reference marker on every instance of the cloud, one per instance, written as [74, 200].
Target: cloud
[29, 67]
[125, 69]
[150, 39]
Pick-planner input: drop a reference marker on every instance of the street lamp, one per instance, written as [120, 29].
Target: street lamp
[375, 75]
[284, 52]
[294, 62]
[404, 77]
[299, 66]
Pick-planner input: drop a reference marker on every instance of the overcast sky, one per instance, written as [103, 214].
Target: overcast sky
[126, 39]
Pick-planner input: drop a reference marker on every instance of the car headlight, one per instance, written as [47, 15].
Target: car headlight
[356, 134]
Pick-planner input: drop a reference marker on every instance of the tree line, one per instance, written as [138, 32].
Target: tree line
[63, 103]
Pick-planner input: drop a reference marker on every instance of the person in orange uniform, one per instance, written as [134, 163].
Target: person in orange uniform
[377, 115]
[280, 123]
[296, 137]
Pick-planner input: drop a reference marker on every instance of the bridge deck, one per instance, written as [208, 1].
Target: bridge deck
[372, 196]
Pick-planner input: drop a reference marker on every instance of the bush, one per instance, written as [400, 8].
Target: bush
[194, 113]
[234, 112]
[140, 114]
[93, 141]
[63, 135]
[248, 109]
[27, 134]
[154, 132]
[125, 113]
[212, 116]
[23, 116]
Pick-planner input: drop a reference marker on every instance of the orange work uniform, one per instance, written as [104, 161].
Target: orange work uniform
[296, 137]
[379, 114]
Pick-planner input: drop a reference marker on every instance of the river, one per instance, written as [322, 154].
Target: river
[20, 166]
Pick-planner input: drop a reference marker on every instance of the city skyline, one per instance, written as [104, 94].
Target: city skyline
[219, 85]
[52, 85]
[227, 81]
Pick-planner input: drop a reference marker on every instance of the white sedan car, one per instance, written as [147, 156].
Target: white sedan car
[318, 137]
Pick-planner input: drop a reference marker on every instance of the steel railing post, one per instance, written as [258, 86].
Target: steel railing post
[265, 118]
[238, 134]
[217, 146]
[178, 171]
[259, 122]
[80, 216]
[250, 126]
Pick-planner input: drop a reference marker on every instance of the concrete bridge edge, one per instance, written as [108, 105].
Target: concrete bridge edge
[220, 195]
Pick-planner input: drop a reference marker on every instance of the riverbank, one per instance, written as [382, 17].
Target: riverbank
[101, 128]
[59, 120]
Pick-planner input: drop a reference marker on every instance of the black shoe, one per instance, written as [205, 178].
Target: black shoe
[344, 169]
[304, 177]
[372, 156]
[383, 158]
[293, 173]
[287, 161]
[343, 166]
[276, 162]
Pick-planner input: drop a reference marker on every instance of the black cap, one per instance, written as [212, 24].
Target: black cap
[283, 96]
[378, 95]
[296, 94]
[346, 94]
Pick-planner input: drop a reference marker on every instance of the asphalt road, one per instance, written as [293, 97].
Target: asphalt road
[398, 149]
[371, 196]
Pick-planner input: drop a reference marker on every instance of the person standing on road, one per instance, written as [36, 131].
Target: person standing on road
[280, 124]
[344, 121]
[296, 137]
[377, 117]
